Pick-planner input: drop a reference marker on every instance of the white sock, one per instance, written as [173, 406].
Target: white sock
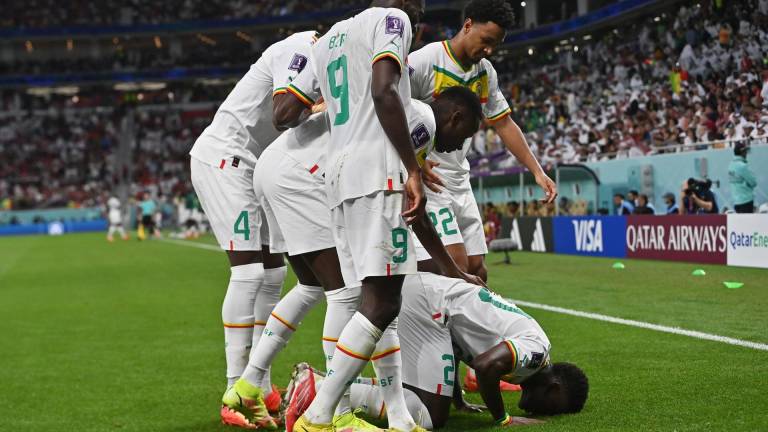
[267, 298]
[283, 321]
[368, 398]
[111, 231]
[356, 344]
[418, 410]
[388, 364]
[342, 304]
[238, 318]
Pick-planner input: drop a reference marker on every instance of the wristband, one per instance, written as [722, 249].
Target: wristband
[507, 420]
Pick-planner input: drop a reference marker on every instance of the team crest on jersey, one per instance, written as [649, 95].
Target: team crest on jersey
[394, 25]
[420, 136]
[298, 63]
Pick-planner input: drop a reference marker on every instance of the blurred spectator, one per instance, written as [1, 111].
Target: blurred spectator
[613, 98]
[513, 208]
[671, 202]
[52, 13]
[632, 197]
[742, 180]
[643, 207]
[622, 206]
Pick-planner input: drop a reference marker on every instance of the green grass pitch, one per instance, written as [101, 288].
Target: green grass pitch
[127, 337]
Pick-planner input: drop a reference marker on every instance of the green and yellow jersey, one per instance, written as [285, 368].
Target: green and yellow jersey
[435, 68]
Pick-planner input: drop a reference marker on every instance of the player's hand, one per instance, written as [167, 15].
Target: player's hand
[431, 179]
[319, 106]
[549, 186]
[470, 278]
[524, 421]
[415, 200]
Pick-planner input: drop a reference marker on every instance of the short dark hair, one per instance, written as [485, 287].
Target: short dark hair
[576, 385]
[463, 97]
[633, 192]
[496, 11]
[619, 195]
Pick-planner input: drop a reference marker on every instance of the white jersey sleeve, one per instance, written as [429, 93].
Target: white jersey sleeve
[392, 37]
[305, 86]
[421, 73]
[242, 126]
[496, 106]
[421, 124]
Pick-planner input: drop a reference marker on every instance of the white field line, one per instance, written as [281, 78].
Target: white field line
[576, 313]
[645, 325]
[193, 244]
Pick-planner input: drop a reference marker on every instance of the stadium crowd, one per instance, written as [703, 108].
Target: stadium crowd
[699, 75]
[37, 14]
[69, 160]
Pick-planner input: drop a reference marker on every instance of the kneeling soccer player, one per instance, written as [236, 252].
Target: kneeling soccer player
[494, 336]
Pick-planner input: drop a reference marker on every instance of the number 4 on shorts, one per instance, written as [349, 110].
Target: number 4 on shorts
[246, 227]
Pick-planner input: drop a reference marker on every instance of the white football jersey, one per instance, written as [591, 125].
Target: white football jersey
[435, 68]
[480, 319]
[113, 203]
[307, 144]
[242, 127]
[361, 159]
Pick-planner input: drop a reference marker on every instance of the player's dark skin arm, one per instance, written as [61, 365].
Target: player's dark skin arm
[489, 367]
[391, 113]
[429, 238]
[288, 111]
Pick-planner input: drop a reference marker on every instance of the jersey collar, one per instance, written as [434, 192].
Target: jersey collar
[452, 55]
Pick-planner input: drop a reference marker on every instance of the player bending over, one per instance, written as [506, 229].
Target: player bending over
[289, 178]
[493, 335]
[462, 61]
[222, 164]
[374, 190]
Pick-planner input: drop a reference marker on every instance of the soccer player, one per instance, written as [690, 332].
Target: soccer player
[373, 174]
[222, 163]
[115, 217]
[290, 179]
[493, 335]
[462, 61]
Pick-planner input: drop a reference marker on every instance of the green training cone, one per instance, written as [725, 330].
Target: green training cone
[699, 272]
[618, 265]
[733, 285]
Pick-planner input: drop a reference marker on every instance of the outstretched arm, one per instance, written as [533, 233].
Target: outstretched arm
[515, 142]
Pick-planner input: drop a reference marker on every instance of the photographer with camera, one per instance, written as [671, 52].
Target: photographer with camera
[742, 180]
[697, 197]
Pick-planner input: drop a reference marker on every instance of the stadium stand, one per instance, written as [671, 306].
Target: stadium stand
[694, 74]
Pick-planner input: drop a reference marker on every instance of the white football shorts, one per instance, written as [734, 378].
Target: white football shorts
[294, 203]
[456, 218]
[372, 238]
[230, 203]
[425, 339]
